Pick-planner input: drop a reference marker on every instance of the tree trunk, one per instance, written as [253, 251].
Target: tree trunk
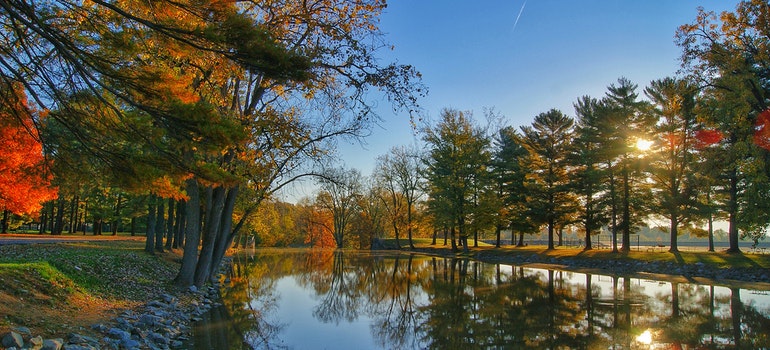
[59, 217]
[210, 232]
[588, 240]
[498, 230]
[43, 219]
[149, 244]
[170, 234]
[409, 223]
[226, 234]
[116, 219]
[395, 231]
[181, 220]
[73, 214]
[435, 235]
[732, 209]
[550, 234]
[6, 213]
[186, 275]
[674, 234]
[82, 218]
[133, 226]
[160, 226]
[626, 247]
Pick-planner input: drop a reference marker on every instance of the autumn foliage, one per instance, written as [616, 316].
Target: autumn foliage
[761, 136]
[24, 182]
[762, 130]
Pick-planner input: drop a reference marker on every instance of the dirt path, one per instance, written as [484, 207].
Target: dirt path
[14, 238]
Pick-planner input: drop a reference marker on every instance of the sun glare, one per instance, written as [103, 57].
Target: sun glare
[645, 338]
[643, 145]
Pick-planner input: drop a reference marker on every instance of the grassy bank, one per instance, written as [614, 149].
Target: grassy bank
[717, 259]
[56, 289]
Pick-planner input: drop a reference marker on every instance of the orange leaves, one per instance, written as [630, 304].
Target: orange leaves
[24, 180]
[165, 187]
[762, 130]
[177, 86]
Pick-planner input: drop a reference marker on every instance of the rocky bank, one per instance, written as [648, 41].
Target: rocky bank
[164, 323]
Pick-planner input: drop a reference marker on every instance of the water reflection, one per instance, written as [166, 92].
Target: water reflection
[338, 300]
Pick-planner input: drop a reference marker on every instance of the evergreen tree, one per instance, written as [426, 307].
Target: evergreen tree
[588, 174]
[548, 141]
[673, 166]
[628, 121]
[458, 154]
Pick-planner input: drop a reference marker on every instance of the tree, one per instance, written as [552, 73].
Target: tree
[548, 142]
[673, 166]
[340, 191]
[458, 155]
[225, 94]
[728, 57]
[508, 173]
[370, 222]
[400, 172]
[25, 180]
[626, 122]
[586, 159]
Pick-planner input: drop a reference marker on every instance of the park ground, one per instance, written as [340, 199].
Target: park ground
[65, 284]
[56, 285]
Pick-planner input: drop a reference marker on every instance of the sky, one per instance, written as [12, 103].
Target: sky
[522, 58]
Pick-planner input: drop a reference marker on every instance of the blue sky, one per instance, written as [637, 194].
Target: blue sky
[475, 55]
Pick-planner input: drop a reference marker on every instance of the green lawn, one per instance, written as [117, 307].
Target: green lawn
[716, 259]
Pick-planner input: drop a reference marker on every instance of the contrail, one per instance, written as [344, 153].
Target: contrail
[519, 16]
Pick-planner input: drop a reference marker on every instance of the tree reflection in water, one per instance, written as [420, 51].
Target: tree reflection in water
[419, 302]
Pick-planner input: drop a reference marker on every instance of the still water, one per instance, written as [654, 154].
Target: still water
[323, 299]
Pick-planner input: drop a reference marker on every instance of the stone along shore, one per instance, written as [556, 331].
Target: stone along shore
[164, 323]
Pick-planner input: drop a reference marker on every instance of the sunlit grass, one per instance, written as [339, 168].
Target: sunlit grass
[715, 259]
[111, 269]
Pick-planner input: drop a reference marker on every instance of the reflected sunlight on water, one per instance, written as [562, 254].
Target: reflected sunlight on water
[360, 300]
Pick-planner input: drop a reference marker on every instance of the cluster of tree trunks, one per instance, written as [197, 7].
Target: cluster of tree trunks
[202, 225]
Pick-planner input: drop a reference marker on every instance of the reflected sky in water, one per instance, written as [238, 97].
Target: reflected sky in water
[304, 299]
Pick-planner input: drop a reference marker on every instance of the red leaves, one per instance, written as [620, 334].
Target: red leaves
[761, 136]
[24, 182]
[708, 137]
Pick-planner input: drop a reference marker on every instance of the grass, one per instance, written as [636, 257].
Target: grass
[713, 259]
[56, 289]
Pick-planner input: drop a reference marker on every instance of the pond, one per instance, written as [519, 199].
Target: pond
[323, 299]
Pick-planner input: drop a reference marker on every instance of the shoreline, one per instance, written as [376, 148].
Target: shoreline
[701, 273]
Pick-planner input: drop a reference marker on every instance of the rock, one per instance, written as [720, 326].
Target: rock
[23, 331]
[148, 321]
[78, 347]
[157, 304]
[193, 289]
[130, 344]
[35, 343]
[168, 298]
[117, 333]
[53, 344]
[157, 338]
[75, 339]
[13, 340]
